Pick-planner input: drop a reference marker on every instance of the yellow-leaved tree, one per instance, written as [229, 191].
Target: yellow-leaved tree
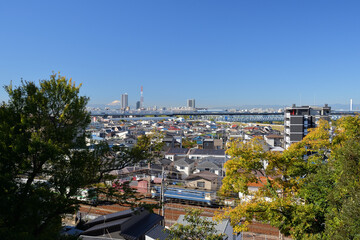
[281, 198]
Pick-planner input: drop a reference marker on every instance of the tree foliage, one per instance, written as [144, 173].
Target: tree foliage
[197, 227]
[147, 149]
[342, 219]
[309, 192]
[40, 130]
[150, 145]
[44, 160]
[188, 143]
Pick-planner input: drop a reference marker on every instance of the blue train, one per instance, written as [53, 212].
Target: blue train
[186, 195]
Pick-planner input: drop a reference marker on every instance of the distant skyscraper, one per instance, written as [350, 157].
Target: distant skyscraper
[141, 98]
[191, 103]
[351, 105]
[138, 105]
[124, 101]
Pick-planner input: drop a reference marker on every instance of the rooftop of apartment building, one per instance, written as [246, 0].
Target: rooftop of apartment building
[325, 107]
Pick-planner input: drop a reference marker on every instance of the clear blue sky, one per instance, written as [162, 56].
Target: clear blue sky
[220, 52]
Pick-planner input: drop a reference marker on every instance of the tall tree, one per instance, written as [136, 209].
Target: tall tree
[311, 190]
[342, 220]
[281, 178]
[44, 161]
[41, 130]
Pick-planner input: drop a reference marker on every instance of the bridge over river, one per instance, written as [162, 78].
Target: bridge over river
[208, 115]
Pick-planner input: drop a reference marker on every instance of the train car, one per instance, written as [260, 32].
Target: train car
[186, 195]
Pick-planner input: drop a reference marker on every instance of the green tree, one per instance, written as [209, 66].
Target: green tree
[187, 143]
[147, 149]
[150, 145]
[44, 161]
[342, 220]
[41, 129]
[197, 228]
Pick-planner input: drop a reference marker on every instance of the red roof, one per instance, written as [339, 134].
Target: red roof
[261, 182]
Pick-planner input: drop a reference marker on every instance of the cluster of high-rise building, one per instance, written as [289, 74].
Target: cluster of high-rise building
[140, 104]
[125, 101]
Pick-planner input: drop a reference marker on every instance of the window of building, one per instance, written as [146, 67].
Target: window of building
[201, 184]
[182, 167]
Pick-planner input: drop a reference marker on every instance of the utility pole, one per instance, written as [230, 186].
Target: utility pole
[149, 177]
[162, 195]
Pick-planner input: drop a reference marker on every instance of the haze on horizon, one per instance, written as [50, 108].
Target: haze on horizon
[221, 53]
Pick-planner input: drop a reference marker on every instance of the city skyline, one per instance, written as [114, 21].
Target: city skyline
[222, 54]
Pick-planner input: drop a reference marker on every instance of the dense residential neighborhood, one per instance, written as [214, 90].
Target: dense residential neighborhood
[198, 167]
[189, 167]
[104, 177]
[180, 120]
[188, 170]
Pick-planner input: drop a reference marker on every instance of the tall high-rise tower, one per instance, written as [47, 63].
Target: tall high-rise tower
[124, 101]
[191, 103]
[141, 98]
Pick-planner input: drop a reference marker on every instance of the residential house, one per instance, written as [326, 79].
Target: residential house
[209, 166]
[122, 134]
[171, 172]
[199, 140]
[169, 142]
[185, 166]
[212, 143]
[274, 140]
[203, 153]
[157, 233]
[130, 141]
[203, 180]
[174, 153]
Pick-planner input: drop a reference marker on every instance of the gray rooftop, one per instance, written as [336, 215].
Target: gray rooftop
[121, 225]
[158, 232]
[183, 162]
[208, 164]
[177, 151]
[203, 175]
[220, 152]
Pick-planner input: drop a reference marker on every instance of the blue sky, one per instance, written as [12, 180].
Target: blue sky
[222, 53]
